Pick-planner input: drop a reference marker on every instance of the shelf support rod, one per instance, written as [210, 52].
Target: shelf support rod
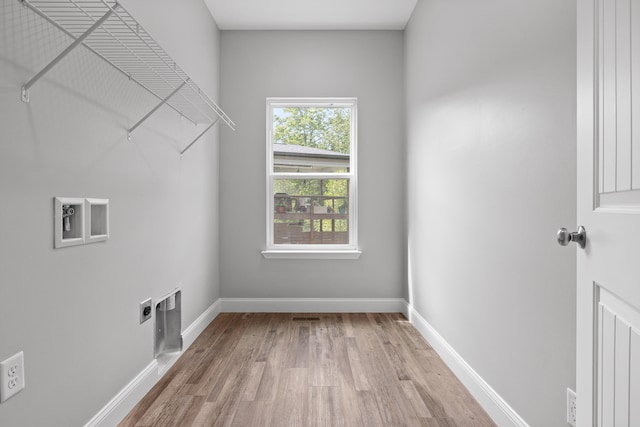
[199, 136]
[164, 101]
[99, 55]
[76, 42]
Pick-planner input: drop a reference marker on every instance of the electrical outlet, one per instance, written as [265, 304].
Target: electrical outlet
[11, 376]
[145, 311]
[571, 407]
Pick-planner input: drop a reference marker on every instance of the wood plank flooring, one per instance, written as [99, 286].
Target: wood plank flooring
[266, 369]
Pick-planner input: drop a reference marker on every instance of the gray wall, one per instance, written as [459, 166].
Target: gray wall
[74, 311]
[365, 64]
[491, 176]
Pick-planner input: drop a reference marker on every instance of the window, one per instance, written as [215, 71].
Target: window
[311, 175]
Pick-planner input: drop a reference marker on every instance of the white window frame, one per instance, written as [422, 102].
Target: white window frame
[318, 251]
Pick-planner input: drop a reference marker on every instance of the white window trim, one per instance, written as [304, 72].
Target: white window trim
[281, 251]
[320, 254]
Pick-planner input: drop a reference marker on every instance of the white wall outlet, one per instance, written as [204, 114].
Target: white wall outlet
[11, 376]
[571, 407]
[145, 311]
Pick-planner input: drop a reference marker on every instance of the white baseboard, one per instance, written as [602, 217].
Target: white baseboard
[192, 332]
[132, 393]
[313, 305]
[126, 399]
[501, 413]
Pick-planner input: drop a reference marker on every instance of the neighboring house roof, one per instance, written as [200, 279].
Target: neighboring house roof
[303, 151]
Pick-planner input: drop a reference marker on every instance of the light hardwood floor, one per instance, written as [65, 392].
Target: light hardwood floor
[265, 369]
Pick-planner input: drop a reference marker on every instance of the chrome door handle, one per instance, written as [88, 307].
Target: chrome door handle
[580, 236]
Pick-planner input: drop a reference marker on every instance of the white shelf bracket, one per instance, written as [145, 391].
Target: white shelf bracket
[76, 42]
[199, 136]
[114, 36]
[164, 101]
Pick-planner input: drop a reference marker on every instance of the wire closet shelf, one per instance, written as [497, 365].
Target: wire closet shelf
[111, 33]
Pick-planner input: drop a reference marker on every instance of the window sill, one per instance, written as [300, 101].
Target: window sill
[310, 254]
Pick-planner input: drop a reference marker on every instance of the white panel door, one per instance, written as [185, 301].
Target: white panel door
[608, 288]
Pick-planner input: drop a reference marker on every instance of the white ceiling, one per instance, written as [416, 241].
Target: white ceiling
[311, 14]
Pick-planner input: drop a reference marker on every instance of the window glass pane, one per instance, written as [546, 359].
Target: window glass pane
[311, 211]
[311, 139]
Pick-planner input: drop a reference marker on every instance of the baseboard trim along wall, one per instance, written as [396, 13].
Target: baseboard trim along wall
[313, 305]
[499, 410]
[192, 332]
[132, 393]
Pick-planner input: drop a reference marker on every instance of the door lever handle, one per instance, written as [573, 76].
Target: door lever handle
[580, 236]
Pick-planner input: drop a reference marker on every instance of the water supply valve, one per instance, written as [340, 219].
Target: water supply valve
[67, 211]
